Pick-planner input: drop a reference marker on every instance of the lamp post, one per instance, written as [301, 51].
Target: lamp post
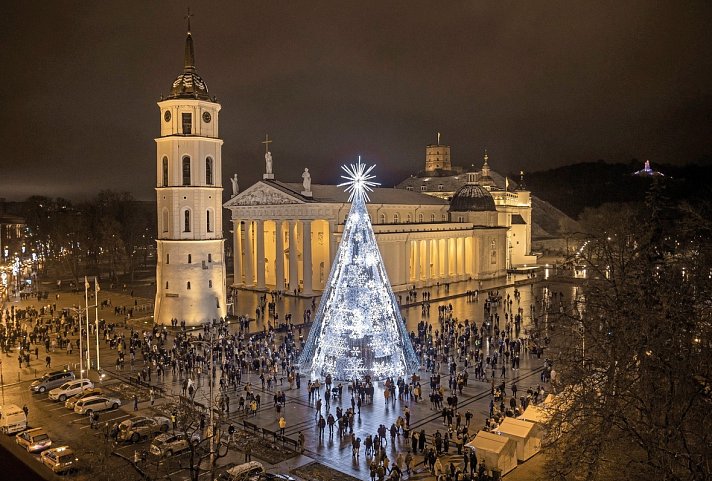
[210, 394]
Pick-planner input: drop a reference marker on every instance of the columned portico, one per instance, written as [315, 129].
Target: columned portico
[279, 222]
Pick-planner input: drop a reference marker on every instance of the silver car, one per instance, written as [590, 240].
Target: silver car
[142, 427]
[168, 444]
[95, 404]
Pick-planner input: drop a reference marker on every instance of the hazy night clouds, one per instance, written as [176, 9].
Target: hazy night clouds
[538, 84]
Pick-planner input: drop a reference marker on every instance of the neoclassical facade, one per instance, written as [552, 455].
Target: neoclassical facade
[190, 266]
[512, 201]
[286, 235]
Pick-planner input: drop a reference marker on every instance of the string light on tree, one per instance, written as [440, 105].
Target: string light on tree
[358, 329]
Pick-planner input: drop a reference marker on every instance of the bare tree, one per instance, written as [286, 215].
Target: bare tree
[635, 364]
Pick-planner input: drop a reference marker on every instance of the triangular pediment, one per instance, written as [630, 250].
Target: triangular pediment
[262, 193]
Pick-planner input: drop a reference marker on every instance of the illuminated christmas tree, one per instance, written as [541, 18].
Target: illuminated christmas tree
[358, 329]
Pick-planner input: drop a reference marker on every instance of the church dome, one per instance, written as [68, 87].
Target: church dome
[189, 85]
[472, 198]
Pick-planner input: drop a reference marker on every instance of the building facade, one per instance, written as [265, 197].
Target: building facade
[190, 268]
[512, 202]
[286, 235]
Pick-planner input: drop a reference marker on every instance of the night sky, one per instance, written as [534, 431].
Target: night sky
[538, 83]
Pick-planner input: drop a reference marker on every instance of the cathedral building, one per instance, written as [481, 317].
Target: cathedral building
[286, 234]
[190, 269]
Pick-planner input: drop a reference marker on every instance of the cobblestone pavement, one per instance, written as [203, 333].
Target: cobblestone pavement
[299, 413]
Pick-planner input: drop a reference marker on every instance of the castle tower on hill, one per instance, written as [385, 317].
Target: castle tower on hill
[190, 268]
[437, 157]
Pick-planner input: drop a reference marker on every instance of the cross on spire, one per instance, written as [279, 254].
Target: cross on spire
[187, 17]
[266, 141]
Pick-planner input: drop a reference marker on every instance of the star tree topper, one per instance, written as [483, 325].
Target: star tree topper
[358, 180]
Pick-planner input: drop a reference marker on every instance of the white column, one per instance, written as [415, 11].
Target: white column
[446, 259]
[428, 270]
[293, 267]
[237, 254]
[416, 261]
[307, 257]
[279, 254]
[260, 226]
[332, 242]
[455, 259]
[249, 255]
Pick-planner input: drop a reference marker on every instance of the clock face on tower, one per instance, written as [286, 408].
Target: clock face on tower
[167, 116]
[207, 117]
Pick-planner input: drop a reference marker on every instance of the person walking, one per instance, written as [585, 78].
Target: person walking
[135, 400]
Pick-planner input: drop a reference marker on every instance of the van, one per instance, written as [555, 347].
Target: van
[12, 419]
[243, 472]
[51, 380]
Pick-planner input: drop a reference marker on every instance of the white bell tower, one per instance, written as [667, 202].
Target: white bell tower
[190, 267]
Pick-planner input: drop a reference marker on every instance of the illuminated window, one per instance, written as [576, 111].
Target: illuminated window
[187, 123]
[186, 170]
[165, 171]
[209, 171]
[186, 221]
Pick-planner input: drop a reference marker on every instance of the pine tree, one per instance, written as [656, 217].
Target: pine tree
[358, 329]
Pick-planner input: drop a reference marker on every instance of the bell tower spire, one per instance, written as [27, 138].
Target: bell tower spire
[189, 55]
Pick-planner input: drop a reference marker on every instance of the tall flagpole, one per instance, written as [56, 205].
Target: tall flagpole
[86, 304]
[81, 346]
[96, 319]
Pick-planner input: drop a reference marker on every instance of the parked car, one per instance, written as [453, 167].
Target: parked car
[72, 401]
[34, 440]
[69, 389]
[142, 428]
[12, 419]
[96, 403]
[243, 472]
[60, 460]
[166, 445]
[51, 380]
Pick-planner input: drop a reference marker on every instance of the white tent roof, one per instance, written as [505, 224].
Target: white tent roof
[489, 442]
[549, 399]
[535, 414]
[516, 427]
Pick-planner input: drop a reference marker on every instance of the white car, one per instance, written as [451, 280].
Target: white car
[95, 404]
[69, 389]
[166, 445]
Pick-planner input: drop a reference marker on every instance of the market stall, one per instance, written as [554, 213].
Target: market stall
[525, 434]
[496, 451]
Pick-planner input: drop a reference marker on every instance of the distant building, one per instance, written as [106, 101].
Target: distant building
[286, 235]
[512, 202]
[647, 171]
